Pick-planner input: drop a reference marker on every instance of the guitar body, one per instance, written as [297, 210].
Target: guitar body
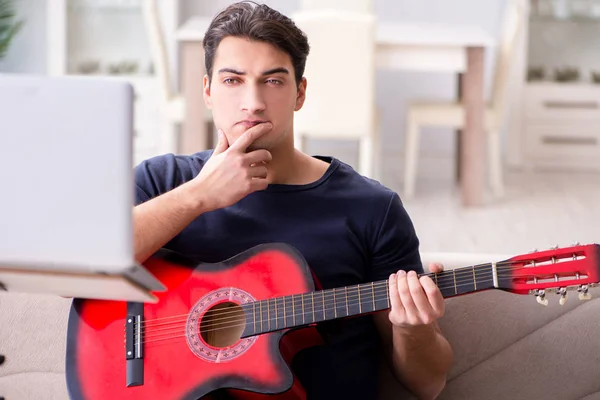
[186, 354]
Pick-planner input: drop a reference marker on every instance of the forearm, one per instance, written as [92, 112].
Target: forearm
[159, 220]
[421, 359]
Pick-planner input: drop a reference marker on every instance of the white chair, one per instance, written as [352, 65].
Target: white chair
[173, 103]
[340, 71]
[453, 114]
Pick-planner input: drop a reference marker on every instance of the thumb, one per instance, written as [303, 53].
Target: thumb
[222, 143]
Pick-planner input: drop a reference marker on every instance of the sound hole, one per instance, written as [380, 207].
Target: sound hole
[223, 324]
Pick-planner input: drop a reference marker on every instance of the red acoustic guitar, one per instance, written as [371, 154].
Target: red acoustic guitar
[234, 325]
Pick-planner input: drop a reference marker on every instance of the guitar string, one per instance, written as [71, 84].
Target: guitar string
[319, 298]
[459, 276]
[225, 325]
[157, 338]
[320, 295]
[328, 300]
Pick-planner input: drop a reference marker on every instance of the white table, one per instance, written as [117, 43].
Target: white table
[417, 47]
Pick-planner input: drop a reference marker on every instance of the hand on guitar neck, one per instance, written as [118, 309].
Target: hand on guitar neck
[229, 175]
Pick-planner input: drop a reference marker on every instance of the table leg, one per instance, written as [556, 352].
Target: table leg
[194, 135]
[458, 133]
[473, 152]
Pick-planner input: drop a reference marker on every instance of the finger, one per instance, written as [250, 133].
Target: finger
[258, 156]
[425, 310]
[395, 303]
[258, 171]
[434, 295]
[258, 184]
[436, 267]
[406, 298]
[246, 139]
[222, 143]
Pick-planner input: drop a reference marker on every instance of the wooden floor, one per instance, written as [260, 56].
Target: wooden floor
[539, 210]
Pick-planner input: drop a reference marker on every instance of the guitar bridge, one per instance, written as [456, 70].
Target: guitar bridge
[134, 352]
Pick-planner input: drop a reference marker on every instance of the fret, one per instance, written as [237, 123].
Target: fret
[334, 304]
[261, 315]
[290, 316]
[474, 278]
[303, 313]
[308, 309]
[280, 314]
[340, 305]
[293, 311]
[387, 297]
[318, 309]
[353, 300]
[445, 282]
[275, 314]
[329, 304]
[373, 294]
[272, 315]
[366, 298]
[382, 295]
[346, 294]
[254, 316]
[454, 277]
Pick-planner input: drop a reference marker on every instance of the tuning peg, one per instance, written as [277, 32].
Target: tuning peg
[540, 296]
[563, 295]
[576, 244]
[533, 251]
[583, 293]
[554, 247]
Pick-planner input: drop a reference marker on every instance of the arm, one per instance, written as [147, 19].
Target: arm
[229, 175]
[417, 351]
[157, 221]
[418, 354]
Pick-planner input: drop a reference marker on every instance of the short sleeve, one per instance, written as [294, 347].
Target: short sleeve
[396, 245]
[154, 176]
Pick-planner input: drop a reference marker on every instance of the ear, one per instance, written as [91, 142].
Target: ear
[206, 92]
[301, 95]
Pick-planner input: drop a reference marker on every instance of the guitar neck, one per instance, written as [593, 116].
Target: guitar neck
[308, 308]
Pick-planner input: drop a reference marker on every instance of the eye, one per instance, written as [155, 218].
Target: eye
[230, 81]
[275, 81]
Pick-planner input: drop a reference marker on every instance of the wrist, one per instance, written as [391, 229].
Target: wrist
[193, 198]
[418, 332]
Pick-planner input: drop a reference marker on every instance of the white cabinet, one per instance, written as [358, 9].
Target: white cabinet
[108, 38]
[562, 126]
[556, 117]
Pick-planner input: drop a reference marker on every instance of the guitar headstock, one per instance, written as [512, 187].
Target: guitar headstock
[556, 270]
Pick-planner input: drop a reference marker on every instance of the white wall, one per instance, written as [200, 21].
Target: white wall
[394, 88]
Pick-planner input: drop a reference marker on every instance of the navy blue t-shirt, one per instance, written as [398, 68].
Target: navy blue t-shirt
[350, 229]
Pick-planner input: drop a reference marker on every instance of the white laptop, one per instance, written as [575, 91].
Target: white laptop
[66, 189]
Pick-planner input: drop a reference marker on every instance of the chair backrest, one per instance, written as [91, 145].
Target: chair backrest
[514, 13]
[360, 6]
[158, 49]
[340, 73]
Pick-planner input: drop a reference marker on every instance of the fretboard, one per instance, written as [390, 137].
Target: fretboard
[308, 308]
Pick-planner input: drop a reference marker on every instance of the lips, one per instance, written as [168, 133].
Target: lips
[250, 123]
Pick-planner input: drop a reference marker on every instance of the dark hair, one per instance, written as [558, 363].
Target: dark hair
[258, 22]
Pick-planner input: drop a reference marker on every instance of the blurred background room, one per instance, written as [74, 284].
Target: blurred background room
[483, 115]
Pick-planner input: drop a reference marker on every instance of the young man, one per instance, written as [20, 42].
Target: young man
[255, 187]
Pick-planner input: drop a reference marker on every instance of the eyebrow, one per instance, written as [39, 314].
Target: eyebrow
[267, 72]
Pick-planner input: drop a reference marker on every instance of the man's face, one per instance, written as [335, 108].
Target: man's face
[253, 82]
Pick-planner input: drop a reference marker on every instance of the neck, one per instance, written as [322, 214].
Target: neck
[308, 308]
[290, 166]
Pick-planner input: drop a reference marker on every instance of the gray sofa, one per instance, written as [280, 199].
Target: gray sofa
[506, 347]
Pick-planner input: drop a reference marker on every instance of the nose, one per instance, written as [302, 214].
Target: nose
[253, 101]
